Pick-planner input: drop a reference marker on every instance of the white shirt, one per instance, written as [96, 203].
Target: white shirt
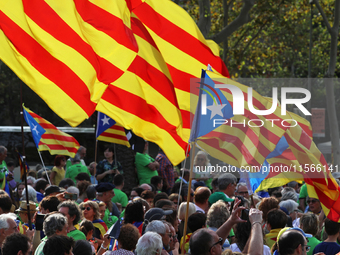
[199, 209]
[234, 248]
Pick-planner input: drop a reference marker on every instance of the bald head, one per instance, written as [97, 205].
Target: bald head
[202, 195]
[145, 186]
[290, 241]
[201, 241]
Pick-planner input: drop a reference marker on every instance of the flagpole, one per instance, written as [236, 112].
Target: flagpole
[42, 162]
[180, 187]
[95, 160]
[188, 197]
[114, 148]
[24, 159]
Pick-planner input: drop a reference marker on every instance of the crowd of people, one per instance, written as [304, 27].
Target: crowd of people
[79, 209]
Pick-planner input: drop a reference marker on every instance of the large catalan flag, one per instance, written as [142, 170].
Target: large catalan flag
[109, 131]
[131, 60]
[47, 137]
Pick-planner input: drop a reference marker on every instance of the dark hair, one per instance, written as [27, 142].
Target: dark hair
[171, 218]
[5, 203]
[14, 243]
[289, 241]
[32, 173]
[10, 163]
[82, 186]
[56, 245]
[271, 190]
[277, 194]
[184, 190]
[111, 148]
[200, 242]
[86, 226]
[58, 159]
[309, 223]
[242, 232]
[128, 237]
[65, 183]
[134, 212]
[331, 227]
[73, 210]
[277, 218]
[214, 182]
[41, 184]
[174, 196]
[83, 177]
[196, 221]
[146, 194]
[91, 192]
[118, 179]
[82, 247]
[51, 203]
[138, 190]
[155, 180]
[203, 196]
[164, 202]
[160, 196]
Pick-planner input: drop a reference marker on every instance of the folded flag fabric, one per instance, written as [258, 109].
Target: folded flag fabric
[23, 167]
[47, 137]
[110, 131]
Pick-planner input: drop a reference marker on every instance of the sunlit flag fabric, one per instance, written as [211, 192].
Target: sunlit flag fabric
[109, 131]
[47, 137]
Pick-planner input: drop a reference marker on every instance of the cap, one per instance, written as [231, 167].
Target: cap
[302, 232]
[23, 207]
[219, 196]
[52, 189]
[156, 214]
[104, 186]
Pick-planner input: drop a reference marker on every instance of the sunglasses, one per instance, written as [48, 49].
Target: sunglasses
[312, 201]
[88, 208]
[220, 241]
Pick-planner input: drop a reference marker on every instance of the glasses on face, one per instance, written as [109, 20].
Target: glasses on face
[200, 159]
[312, 201]
[88, 208]
[307, 247]
[220, 241]
[243, 192]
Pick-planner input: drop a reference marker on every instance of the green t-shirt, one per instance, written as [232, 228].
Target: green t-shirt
[74, 170]
[303, 191]
[76, 235]
[312, 242]
[40, 248]
[144, 172]
[109, 219]
[3, 169]
[120, 197]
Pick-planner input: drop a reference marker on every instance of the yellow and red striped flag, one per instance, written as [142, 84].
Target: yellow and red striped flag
[47, 137]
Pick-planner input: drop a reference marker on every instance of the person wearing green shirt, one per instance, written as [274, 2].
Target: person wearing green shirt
[71, 211]
[146, 166]
[3, 166]
[76, 168]
[120, 196]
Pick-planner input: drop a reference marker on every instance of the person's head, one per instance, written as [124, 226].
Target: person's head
[145, 186]
[148, 195]
[91, 192]
[314, 204]
[276, 218]
[105, 191]
[76, 159]
[20, 188]
[16, 244]
[201, 197]
[102, 208]
[57, 245]
[22, 210]
[66, 182]
[174, 198]
[292, 242]
[5, 203]
[109, 152]
[164, 203]
[186, 174]
[157, 181]
[81, 177]
[41, 185]
[289, 195]
[82, 247]
[182, 209]
[118, 180]
[134, 212]
[7, 225]
[174, 238]
[242, 190]
[73, 190]
[160, 196]
[291, 207]
[3, 153]
[149, 244]
[309, 223]
[332, 228]
[128, 237]
[92, 166]
[136, 192]
[30, 181]
[49, 204]
[59, 161]
[201, 159]
[197, 221]
[82, 187]
[32, 194]
[266, 205]
[55, 224]
[82, 152]
[87, 228]
[52, 190]
[71, 211]
[218, 214]
[227, 184]
[205, 241]
[162, 229]
[91, 210]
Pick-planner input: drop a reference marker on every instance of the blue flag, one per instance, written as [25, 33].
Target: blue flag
[103, 123]
[212, 105]
[36, 130]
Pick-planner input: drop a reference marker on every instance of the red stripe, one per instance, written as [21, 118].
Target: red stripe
[139, 29]
[107, 23]
[155, 78]
[47, 65]
[57, 147]
[60, 30]
[60, 137]
[140, 108]
[119, 137]
[214, 142]
[183, 40]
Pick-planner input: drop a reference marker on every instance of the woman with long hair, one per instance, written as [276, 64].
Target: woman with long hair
[134, 214]
[58, 171]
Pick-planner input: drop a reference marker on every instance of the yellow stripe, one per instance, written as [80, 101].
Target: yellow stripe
[55, 97]
[145, 129]
[113, 140]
